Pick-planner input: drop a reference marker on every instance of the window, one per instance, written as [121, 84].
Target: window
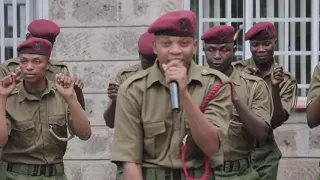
[15, 15]
[297, 26]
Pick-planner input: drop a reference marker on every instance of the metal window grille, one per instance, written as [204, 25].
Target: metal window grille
[15, 15]
[296, 21]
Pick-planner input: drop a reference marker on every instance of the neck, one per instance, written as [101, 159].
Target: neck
[228, 71]
[36, 86]
[264, 66]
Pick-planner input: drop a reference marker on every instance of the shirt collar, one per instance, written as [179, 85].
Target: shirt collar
[23, 94]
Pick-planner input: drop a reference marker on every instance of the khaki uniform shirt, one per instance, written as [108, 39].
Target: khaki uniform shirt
[314, 85]
[55, 68]
[127, 72]
[255, 93]
[288, 86]
[148, 132]
[28, 119]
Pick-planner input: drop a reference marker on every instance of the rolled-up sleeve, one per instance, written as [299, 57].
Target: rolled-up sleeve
[289, 96]
[218, 112]
[314, 85]
[128, 134]
[262, 104]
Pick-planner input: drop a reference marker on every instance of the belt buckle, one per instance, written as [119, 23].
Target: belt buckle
[227, 166]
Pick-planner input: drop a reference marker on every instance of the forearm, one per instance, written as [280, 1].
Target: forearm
[202, 130]
[109, 114]
[3, 125]
[279, 114]
[313, 113]
[80, 97]
[132, 171]
[80, 121]
[255, 125]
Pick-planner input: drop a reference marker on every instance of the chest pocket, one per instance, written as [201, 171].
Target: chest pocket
[23, 133]
[153, 132]
[57, 124]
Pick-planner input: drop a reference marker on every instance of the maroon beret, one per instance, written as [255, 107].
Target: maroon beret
[176, 23]
[219, 35]
[35, 46]
[145, 44]
[261, 31]
[45, 29]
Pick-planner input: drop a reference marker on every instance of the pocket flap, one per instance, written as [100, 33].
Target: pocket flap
[23, 125]
[57, 120]
[154, 128]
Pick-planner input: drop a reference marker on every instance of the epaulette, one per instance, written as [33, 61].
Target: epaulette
[250, 77]
[57, 63]
[133, 78]
[11, 61]
[133, 68]
[241, 63]
[209, 71]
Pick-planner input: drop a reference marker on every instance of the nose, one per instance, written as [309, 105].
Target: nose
[176, 49]
[29, 66]
[261, 48]
[217, 55]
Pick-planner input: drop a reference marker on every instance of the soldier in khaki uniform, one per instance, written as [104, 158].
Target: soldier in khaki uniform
[147, 58]
[148, 133]
[283, 85]
[48, 30]
[313, 115]
[252, 106]
[35, 115]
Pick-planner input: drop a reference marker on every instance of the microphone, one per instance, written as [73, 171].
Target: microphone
[174, 93]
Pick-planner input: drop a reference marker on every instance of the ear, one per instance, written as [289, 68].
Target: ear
[154, 46]
[195, 44]
[48, 64]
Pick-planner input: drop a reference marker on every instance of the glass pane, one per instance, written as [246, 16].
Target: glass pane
[8, 20]
[21, 20]
[300, 36]
[214, 8]
[237, 8]
[8, 53]
[276, 8]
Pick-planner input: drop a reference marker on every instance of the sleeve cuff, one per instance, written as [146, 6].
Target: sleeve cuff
[126, 151]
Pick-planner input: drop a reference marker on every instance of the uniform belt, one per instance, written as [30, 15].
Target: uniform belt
[172, 174]
[230, 166]
[47, 170]
[175, 174]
